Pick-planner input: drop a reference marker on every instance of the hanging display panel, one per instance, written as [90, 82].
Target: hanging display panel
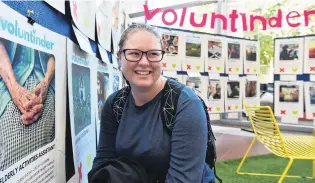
[251, 57]
[172, 44]
[234, 61]
[309, 55]
[83, 16]
[215, 54]
[103, 24]
[289, 99]
[309, 90]
[251, 90]
[194, 54]
[82, 75]
[233, 96]
[32, 101]
[289, 56]
[215, 95]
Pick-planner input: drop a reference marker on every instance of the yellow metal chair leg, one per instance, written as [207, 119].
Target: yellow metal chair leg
[286, 170]
[245, 156]
[314, 169]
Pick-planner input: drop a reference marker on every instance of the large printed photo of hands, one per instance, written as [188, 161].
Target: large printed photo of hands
[27, 101]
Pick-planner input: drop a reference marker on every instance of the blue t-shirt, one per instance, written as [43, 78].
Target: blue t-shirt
[142, 137]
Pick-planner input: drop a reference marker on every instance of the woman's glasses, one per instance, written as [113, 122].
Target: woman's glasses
[134, 55]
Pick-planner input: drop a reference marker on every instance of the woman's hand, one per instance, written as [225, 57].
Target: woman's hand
[41, 91]
[21, 98]
[33, 115]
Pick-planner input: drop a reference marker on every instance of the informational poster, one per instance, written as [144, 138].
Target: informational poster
[58, 5]
[103, 24]
[102, 90]
[172, 44]
[115, 24]
[309, 55]
[32, 101]
[309, 90]
[194, 54]
[82, 75]
[252, 90]
[251, 57]
[215, 95]
[233, 96]
[289, 56]
[215, 54]
[83, 16]
[197, 84]
[289, 99]
[234, 60]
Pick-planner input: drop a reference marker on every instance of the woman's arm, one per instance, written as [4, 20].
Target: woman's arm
[107, 136]
[189, 141]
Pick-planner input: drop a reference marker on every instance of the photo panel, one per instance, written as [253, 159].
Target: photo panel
[103, 24]
[309, 55]
[309, 91]
[251, 94]
[288, 99]
[215, 96]
[215, 53]
[289, 56]
[234, 60]
[172, 44]
[233, 95]
[194, 55]
[251, 57]
[197, 84]
[82, 81]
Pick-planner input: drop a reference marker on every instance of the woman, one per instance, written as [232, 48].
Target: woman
[141, 136]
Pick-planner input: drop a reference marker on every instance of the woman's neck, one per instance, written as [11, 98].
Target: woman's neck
[141, 97]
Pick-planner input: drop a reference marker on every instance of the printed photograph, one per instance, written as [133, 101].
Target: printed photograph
[288, 93]
[214, 90]
[234, 51]
[233, 89]
[194, 83]
[170, 44]
[289, 52]
[311, 48]
[27, 107]
[214, 50]
[81, 88]
[251, 53]
[102, 90]
[193, 49]
[312, 95]
[251, 89]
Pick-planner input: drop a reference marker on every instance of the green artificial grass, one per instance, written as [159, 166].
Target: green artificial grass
[226, 170]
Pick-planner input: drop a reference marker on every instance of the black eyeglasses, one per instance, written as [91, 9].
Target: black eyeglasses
[134, 55]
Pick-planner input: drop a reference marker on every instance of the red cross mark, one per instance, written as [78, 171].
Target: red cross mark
[80, 172]
[209, 68]
[230, 69]
[281, 69]
[209, 109]
[229, 107]
[313, 114]
[164, 65]
[312, 68]
[283, 111]
[248, 70]
[75, 9]
[188, 67]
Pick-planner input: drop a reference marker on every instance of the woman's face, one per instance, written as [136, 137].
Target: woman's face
[144, 41]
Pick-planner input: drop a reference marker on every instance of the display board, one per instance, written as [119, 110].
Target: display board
[32, 102]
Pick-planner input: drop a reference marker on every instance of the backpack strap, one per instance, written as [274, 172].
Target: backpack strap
[170, 95]
[119, 102]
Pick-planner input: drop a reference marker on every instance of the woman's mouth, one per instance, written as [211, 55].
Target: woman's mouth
[143, 73]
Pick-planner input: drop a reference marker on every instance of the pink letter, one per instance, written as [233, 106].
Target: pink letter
[252, 22]
[277, 18]
[194, 24]
[233, 17]
[223, 18]
[306, 14]
[149, 15]
[244, 21]
[294, 16]
[182, 18]
[163, 17]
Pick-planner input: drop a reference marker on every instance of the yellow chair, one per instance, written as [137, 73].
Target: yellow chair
[267, 132]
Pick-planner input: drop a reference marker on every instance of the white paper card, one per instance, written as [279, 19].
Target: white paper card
[215, 53]
[233, 96]
[312, 77]
[171, 74]
[83, 41]
[214, 117]
[251, 57]
[193, 74]
[214, 76]
[234, 61]
[234, 77]
[252, 77]
[251, 90]
[289, 99]
[215, 95]
[288, 77]
[289, 56]
[309, 54]
[194, 54]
